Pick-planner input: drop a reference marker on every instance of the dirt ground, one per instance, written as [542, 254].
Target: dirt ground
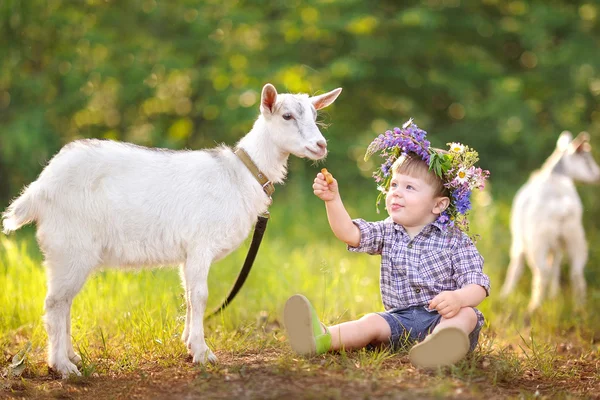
[262, 376]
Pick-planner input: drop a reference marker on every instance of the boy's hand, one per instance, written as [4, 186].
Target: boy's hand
[447, 304]
[323, 190]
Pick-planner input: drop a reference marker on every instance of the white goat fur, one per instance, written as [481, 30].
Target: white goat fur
[104, 203]
[546, 219]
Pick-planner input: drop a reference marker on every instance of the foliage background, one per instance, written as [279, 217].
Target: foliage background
[505, 77]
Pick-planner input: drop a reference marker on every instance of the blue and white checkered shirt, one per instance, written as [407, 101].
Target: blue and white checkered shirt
[414, 271]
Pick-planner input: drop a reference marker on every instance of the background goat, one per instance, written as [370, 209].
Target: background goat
[104, 203]
[546, 219]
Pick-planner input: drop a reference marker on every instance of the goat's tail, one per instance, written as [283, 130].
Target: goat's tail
[22, 210]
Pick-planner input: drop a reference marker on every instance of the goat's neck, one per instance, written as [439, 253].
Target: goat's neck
[268, 157]
[554, 165]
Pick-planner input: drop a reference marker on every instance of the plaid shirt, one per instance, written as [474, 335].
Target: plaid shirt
[414, 271]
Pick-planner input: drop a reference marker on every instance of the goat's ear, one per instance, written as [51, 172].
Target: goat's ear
[582, 137]
[326, 99]
[581, 142]
[564, 140]
[268, 98]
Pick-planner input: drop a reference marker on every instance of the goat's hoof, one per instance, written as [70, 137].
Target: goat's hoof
[66, 369]
[76, 359]
[205, 357]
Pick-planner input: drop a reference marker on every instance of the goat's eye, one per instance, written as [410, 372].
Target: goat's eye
[287, 116]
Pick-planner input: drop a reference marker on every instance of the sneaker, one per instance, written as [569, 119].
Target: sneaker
[445, 346]
[307, 335]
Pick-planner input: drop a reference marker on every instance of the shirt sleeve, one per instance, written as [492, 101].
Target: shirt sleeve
[468, 266]
[371, 237]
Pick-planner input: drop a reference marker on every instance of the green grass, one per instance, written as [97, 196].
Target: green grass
[124, 319]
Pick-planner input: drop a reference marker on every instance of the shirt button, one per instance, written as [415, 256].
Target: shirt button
[417, 290]
[410, 246]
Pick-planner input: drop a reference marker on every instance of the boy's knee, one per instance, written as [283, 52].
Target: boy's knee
[468, 311]
[469, 315]
[377, 324]
[371, 319]
[466, 317]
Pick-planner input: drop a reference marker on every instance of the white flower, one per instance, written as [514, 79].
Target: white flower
[456, 147]
[462, 175]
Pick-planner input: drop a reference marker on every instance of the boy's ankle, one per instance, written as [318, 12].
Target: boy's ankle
[323, 342]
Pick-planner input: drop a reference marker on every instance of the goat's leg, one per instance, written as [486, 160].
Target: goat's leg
[541, 272]
[196, 281]
[515, 269]
[188, 307]
[577, 249]
[555, 260]
[65, 280]
[74, 357]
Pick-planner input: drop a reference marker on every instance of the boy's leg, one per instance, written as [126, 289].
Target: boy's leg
[307, 335]
[448, 343]
[370, 329]
[465, 320]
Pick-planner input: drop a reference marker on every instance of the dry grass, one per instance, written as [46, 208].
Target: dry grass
[126, 325]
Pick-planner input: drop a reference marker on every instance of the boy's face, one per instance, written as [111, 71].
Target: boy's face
[410, 201]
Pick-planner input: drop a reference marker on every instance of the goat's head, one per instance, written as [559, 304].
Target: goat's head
[577, 160]
[290, 120]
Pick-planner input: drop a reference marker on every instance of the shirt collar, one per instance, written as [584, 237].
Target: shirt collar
[440, 226]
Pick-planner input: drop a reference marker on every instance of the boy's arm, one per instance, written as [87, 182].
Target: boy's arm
[471, 295]
[468, 274]
[449, 303]
[339, 220]
[341, 223]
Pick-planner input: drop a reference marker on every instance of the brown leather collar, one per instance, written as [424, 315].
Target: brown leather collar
[266, 184]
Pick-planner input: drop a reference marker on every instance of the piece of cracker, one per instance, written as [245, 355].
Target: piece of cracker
[328, 176]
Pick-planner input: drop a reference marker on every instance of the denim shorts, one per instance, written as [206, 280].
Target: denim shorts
[413, 324]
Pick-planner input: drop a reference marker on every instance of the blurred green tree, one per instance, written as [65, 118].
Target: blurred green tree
[503, 76]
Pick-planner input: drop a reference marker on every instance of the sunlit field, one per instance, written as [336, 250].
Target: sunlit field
[124, 320]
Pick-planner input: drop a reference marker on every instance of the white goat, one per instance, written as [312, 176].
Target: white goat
[546, 219]
[104, 203]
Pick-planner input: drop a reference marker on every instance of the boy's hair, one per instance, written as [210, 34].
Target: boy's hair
[413, 165]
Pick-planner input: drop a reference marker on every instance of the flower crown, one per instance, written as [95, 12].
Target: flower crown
[456, 168]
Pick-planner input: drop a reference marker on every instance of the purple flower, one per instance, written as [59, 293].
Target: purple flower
[462, 201]
[443, 218]
[385, 168]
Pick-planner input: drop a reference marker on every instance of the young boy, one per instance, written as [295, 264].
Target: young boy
[431, 273]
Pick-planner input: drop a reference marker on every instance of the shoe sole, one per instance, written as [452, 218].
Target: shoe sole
[442, 348]
[297, 318]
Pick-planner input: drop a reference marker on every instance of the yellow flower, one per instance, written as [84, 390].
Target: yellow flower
[456, 147]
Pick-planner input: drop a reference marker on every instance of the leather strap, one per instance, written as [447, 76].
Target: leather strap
[259, 231]
[266, 184]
